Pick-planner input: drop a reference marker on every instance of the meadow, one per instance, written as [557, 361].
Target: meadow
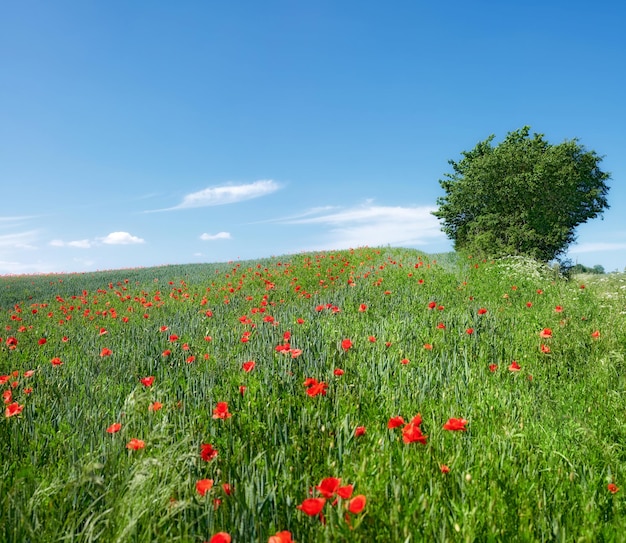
[375, 394]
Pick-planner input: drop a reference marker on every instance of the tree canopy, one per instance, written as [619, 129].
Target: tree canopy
[521, 197]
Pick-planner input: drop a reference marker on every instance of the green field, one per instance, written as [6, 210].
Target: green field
[343, 344]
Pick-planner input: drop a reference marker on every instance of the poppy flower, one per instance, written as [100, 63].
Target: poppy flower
[29, 373]
[404, 361]
[203, 486]
[395, 422]
[482, 311]
[345, 492]
[114, 428]
[372, 339]
[147, 381]
[312, 506]
[613, 488]
[428, 346]
[103, 331]
[135, 444]
[248, 366]
[359, 431]
[362, 308]
[545, 333]
[441, 326]
[281, 537]
[412, 433]
[13, 409]
[221, 411]
[346, 344]
[7, 396]
[207, 452]
[227, 489]
[338, 372]
[529, 304]
[558, 309]
[455, 425]
[595, 334]
[220, 537]
[514, 366]
[444, 468]
[493, 367]
[432, 305]
[357, 504]
[545, 349]
[242, 389]
[155, 406]
[56, 361]
[469, 331]
[106, 352]
[42, 341]
[328, 486]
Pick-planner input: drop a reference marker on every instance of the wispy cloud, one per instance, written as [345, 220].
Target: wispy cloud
[225, 194]
[374, 225]
[19, 240]
[79, 244]
[596, 247]
[212, 237]
[121, 238]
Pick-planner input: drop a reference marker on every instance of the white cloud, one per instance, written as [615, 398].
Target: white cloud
[226, 194]
[376, 226]
[121, 238]
[219, 235]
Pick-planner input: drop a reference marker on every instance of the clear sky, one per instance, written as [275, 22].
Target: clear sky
[150, 132]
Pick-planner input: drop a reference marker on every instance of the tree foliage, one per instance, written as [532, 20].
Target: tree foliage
[521, 197]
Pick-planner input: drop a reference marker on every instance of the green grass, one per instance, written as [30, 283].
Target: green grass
[541, 447]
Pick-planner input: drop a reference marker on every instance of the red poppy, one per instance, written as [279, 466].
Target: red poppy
[7, 396]
[221, 411]
[114, 428]
[613, 488]
[56, 361]
[372, 339]
[595, 334]
[346, 344]
[42, 341]
[469, 331]
[428, 346]
[404, 361]
[432, 305]
[441, 326]
[163, 329]
[345, 492]
[482, 311]
[328, 486]
[359, 431]
[106, 352]
[242, 389]
[558, 309]
[155, 406]
[338, 372]
[13, 409]
[147, 381]
[207, 452]
[493, 367]
[248, 366]
[103, 331]
[227, 489]
[514, 366]
[444, 468]
[529, 304]
[455, 425]
[312, 506]
[203, 486]
[545, 333]
[395, 422]
[281, 537]
[362, 308]
[29, 373]
[545, 349]
[357, 504]
[220, 537]
[135, 444]
[412, 433]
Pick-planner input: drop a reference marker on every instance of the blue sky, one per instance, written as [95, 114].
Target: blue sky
[147, 133]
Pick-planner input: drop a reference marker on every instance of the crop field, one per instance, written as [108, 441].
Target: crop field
[375, 394]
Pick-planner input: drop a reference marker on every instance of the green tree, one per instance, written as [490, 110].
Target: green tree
[521, 197]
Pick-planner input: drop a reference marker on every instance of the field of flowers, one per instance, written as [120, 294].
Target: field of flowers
[363, 395]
